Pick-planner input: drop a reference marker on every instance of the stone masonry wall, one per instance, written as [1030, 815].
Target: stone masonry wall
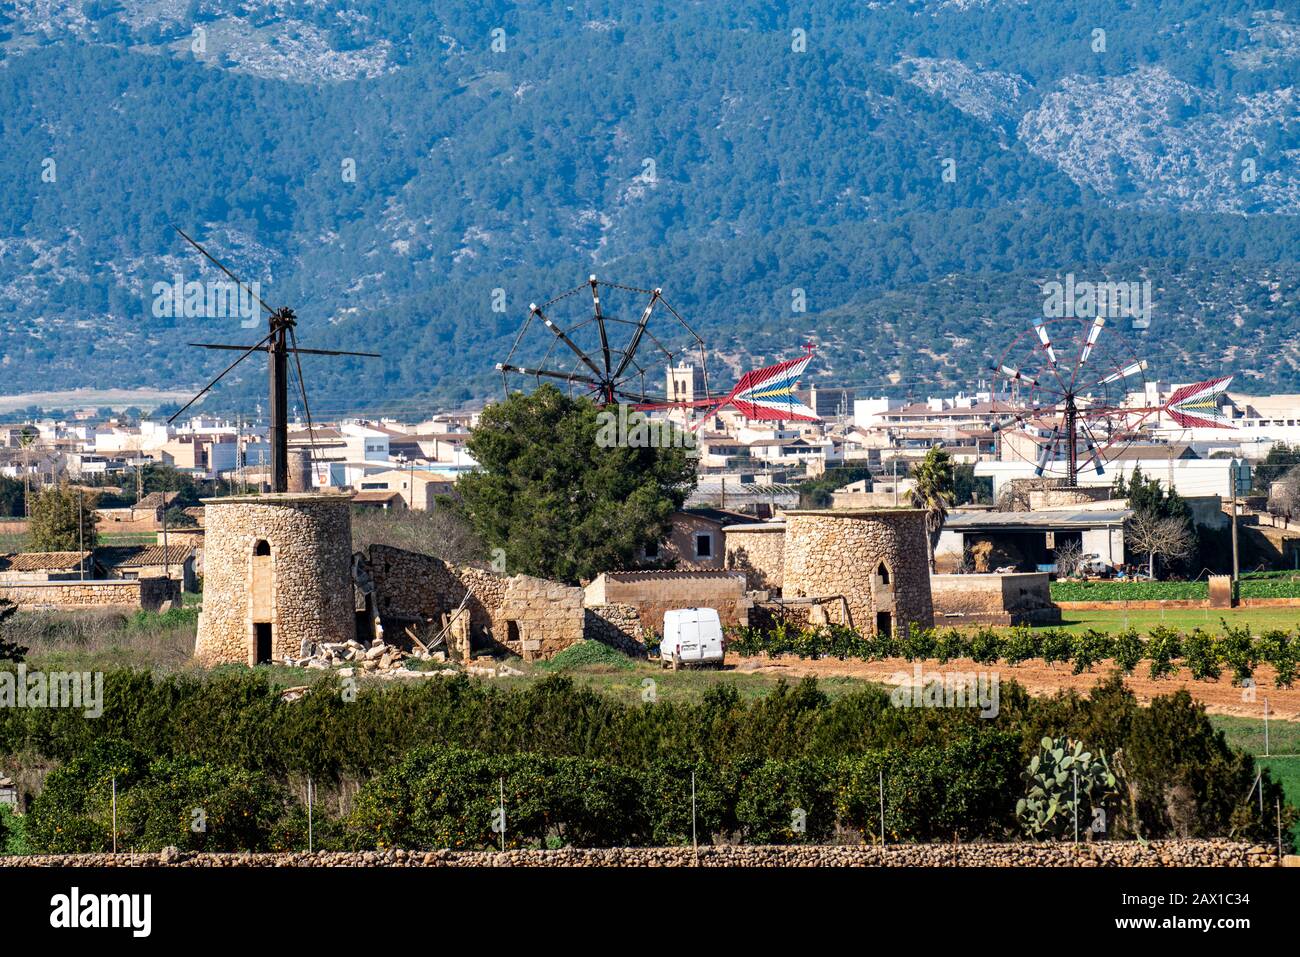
[838, 553]
[310, 537]
[760, 554]
[539, 618]
[146, 593]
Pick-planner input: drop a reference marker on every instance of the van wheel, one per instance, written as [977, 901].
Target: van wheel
[677, 663]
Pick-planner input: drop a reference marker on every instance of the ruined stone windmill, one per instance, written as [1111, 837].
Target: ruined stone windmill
[280, 341]
[278, 566]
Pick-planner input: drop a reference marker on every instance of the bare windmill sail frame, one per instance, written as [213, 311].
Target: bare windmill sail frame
[581, 352]
[280, 341]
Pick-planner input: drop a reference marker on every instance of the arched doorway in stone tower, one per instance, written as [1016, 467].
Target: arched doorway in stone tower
[260, 596]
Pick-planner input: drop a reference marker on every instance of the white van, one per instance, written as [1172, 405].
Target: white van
[692, 636]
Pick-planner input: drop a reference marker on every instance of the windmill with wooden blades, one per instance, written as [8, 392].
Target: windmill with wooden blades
[279, 343]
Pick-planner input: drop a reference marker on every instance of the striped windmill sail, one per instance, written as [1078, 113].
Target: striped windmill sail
[768, 393]
[1197, 405]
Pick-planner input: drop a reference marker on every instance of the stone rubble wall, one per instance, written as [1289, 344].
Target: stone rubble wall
[838, 553]
[546, 616]
[616, 625]
[138, 593]
[310, 537]
[760, 554]
[1184, 853]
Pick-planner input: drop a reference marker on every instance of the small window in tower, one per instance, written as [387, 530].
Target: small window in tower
[263, 547]
[883, 573]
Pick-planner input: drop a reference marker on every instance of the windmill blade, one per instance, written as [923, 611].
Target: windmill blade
[1129, 370]
[302, 388]
[1049, 452]
[636, 336]
[565, 376]
[304, 352]
[207, 388]
[1015, 375]
[563, 337]
[1094, 333]
[1093, 448]
[600, 321]
[1045, 338]
[220, 265]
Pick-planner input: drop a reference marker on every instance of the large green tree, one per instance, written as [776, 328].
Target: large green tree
[9, 650]
[11, 497]
[934, 491]
[558, 498]
[63, 520]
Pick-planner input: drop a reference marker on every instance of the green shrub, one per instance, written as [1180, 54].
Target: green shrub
[1022, 644]
[1162, 647]
[785, 802]
[13, 832]
[582, 654]
[1238, 650]
[1280, 650]
[1128, 649]
[1090, 648]
[1202, 654]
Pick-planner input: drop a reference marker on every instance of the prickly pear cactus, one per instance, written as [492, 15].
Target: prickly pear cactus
[1048, 808]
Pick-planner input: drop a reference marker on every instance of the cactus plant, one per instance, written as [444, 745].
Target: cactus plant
[1048, 808]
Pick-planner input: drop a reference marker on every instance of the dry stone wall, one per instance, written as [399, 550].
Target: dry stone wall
[310, 568]
[617, 625]
[1186, 853]
[840, 553]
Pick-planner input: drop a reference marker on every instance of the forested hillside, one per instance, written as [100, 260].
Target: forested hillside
[912, 171]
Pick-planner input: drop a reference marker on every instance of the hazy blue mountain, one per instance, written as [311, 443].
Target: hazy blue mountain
[385, 166]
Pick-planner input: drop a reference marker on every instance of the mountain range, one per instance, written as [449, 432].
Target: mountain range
[893, 180]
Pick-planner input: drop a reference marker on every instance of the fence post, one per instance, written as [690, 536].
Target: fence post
[114, 813]
[695, 845]
[1266, 727]
[1076, 807]
[882, 807]
[311, 793]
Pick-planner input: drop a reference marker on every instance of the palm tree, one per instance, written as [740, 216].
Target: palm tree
[934, 491]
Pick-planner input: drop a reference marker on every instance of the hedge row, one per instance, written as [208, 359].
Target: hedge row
[1285, 585]
[229, 744]
[1165, 649]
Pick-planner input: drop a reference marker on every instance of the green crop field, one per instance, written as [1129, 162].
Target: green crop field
[1208, 619]
[1283, 748]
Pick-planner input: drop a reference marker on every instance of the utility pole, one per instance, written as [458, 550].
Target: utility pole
[81, 533]
[1232, 490]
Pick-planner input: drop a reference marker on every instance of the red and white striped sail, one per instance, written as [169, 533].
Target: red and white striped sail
[1197, 405]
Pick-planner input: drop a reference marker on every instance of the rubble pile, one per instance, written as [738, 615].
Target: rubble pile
[379, 659]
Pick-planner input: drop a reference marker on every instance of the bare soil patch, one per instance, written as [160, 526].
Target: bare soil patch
[1219, 697]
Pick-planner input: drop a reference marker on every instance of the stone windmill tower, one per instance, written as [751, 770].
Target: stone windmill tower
[277, 566]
